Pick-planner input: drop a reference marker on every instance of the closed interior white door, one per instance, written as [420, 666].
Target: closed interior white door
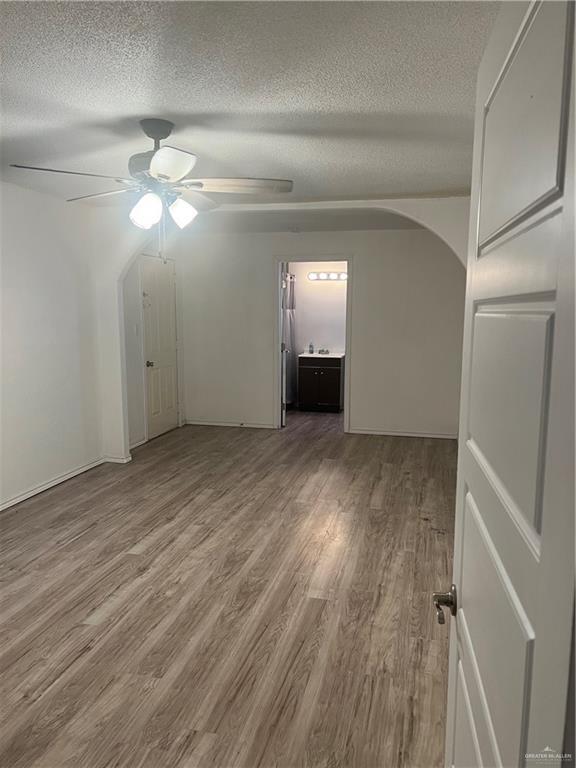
[514, 543]
[159, 309]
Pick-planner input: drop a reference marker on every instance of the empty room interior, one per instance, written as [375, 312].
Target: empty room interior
[287, 384]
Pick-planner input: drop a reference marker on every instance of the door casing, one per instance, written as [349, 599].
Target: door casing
[278, 355]
[176, 419]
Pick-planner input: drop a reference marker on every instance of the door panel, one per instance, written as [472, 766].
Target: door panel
[159, 307]
[504, 655]
[154, 400]
[307, 386]
[329, 387]
[508, 398]
[513, 547]
[479, 710]
[518, 546]
[527, 103]
[466, 746]
[170, 388]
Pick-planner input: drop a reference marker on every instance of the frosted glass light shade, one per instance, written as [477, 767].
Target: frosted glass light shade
[182, 212]
[147, 211]
[171, 164]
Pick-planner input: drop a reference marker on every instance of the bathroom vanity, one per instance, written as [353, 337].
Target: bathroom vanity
[321, 382]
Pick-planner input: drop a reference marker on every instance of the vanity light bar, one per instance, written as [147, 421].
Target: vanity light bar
[327, 276]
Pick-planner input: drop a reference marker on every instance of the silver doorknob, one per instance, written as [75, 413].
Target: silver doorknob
[149, 364]
[445, 599]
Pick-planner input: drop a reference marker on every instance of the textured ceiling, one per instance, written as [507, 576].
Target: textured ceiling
[352, 100]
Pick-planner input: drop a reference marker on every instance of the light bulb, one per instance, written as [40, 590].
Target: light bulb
[333, 275]
[323, 276]
[312, 275]
[182, 212]
[343, 276]
[147, 211]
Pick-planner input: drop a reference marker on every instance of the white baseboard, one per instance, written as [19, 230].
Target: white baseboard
[125, 459]
[193, 422]
[62, 479]
[140, 442]
[50, 483]
[117, 459]
[392, 433]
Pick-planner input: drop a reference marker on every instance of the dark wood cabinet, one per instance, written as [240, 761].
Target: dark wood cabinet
[320, 383]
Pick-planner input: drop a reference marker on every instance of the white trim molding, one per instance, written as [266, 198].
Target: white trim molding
[117, 459]
[195, 423]
[62, 479]
[400, 433]
[50, 483]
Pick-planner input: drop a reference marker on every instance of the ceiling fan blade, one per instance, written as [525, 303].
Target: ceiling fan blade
[119, 179]
[198, 200]
[102, 194]
[171, 164]
[241, 185]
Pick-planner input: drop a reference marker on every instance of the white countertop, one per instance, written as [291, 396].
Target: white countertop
[317, 354]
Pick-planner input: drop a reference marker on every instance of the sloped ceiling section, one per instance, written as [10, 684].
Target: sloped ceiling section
[352, 100]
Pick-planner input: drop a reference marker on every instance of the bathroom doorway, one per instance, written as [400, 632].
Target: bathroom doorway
[314, 348]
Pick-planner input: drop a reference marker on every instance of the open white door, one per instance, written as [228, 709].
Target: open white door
[283, 348]
[514, 543]
[159, 308]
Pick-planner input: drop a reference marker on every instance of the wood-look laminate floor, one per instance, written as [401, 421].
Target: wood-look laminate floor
[233, 597]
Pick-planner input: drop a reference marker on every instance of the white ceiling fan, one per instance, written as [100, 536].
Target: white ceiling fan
[161, 176]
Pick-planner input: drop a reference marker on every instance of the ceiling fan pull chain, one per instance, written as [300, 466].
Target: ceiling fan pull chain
[162, 237]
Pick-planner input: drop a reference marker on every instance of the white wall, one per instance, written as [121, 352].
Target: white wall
[50, 416]
[133, 334]
[62, 406]
[407, 297]
[228, 291]
[114, 243]
[63, 398]
[406, 345]
[320, 315]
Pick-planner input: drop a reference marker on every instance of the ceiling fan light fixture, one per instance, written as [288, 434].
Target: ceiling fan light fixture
[147, 211]
[182, 212]
[171, 164]
[162, 174]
